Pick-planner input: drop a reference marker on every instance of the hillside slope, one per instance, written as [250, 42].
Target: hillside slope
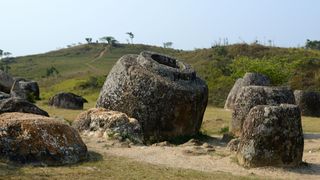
[82, 69]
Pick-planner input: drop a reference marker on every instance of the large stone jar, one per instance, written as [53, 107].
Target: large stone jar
[163, 94]
[271, 136]
[251, 96]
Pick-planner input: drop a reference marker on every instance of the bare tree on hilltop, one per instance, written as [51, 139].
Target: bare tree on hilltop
[110, 40]
[131, 36]
[7, 54]
[167, 44]
[89, 40]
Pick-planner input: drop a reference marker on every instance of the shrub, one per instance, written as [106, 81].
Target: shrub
[91, 83]
[277, 70]
[224, 130]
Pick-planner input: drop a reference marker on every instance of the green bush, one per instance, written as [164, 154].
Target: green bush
[306, 75]
[93, 82]
[276, 69]
[224, 130]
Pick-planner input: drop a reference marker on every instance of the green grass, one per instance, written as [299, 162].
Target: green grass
[76, 61]
[66, 114]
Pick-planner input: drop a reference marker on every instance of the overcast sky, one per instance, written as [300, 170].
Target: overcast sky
[37, 26]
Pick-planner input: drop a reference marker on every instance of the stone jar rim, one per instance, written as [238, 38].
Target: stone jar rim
[166, 66]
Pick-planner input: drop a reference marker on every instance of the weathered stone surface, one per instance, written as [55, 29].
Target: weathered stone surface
[162, 93]
[28, 138]
[102, 122]
[67, 101]
[233, 145]
[20, 105]
[251, 96]
[272, 136]
[308, 102]
[4, 96]
[229, 105]
[249, 79]
[6, 82]
[255, 79]
[24, 89]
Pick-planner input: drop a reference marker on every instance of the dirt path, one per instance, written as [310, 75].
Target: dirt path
[219, 160]
[89, 64]
[102, 53]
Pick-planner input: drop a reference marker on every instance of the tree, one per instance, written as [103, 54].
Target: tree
[89, 40]
[7, 54]
[313, 44]
[131, 36]
[103, 39]
[110, 40]
[113, 42]
[52, 71]
[167, 44]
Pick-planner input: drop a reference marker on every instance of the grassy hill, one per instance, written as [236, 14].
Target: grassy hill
[82, 69]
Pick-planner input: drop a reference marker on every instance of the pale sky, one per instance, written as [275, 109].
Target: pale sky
[38, 26]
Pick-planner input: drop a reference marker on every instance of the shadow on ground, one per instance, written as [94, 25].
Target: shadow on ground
[311, 136]
[306, 168]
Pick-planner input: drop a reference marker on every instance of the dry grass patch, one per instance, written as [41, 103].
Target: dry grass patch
[66, 114]
[108, 167]
[216, 119]
[311, 124]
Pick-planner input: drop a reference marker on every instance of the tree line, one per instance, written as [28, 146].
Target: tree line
[113, 41]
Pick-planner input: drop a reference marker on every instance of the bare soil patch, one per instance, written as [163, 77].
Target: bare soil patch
[208, 156]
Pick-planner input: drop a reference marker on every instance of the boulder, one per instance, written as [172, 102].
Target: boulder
[67, 101]
[102, 122]
[24, 89]
[251, 96]
[255, 79]
[271, 136]
[162, 93]
[6, 82]
[249, 79]
[39, 140]
[4, 96]
[20, 105]
[308, 102]
[229, 105]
